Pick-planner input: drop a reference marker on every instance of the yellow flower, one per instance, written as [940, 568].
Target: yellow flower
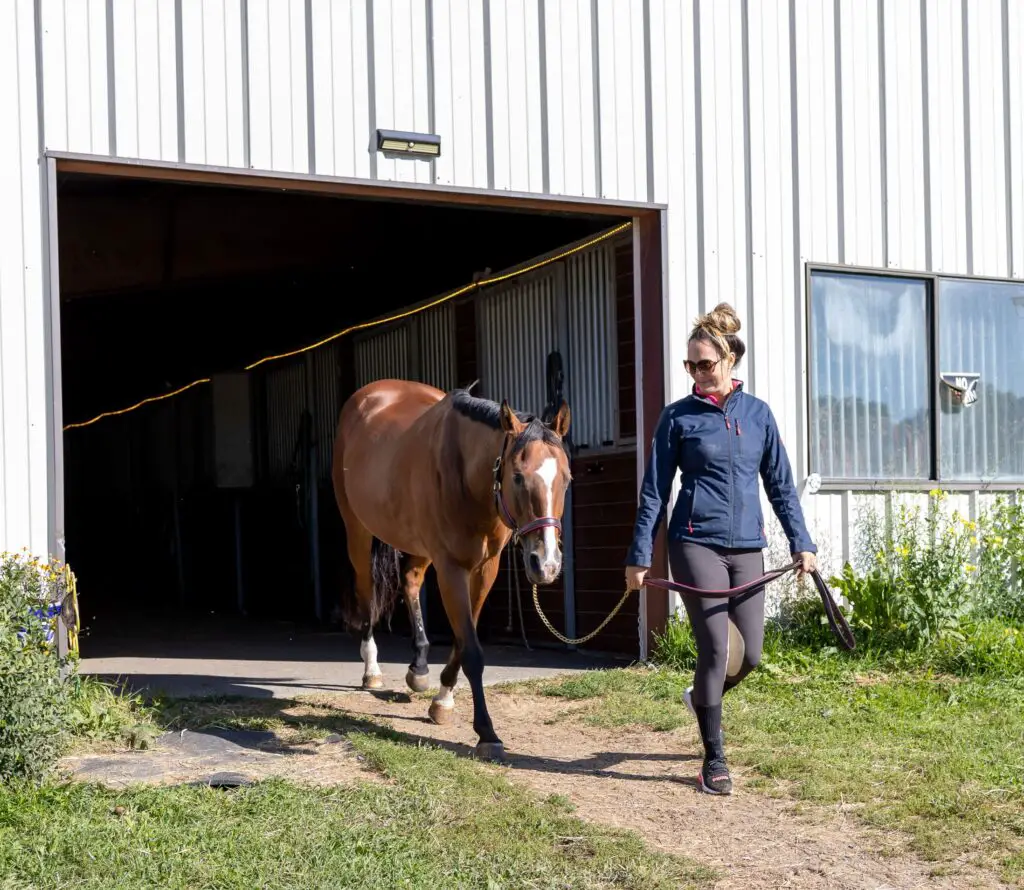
[969, 568]
[974, 539]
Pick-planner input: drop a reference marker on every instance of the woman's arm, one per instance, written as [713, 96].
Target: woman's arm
[777, 474]
[654, 491]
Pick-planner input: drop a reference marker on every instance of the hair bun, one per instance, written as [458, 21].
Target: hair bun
[722, 320]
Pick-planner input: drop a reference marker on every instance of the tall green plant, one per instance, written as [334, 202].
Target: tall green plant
[918, 582]
[1001, 561]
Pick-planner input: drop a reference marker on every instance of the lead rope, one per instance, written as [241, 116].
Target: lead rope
[519, 606]
[589, 636]
[836, 620]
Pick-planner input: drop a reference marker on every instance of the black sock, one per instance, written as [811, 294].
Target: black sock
[709, 719]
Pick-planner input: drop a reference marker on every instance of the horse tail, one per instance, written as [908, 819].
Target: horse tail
[386, 572]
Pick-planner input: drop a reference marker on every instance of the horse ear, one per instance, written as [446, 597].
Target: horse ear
[561, 422]
[509, 422]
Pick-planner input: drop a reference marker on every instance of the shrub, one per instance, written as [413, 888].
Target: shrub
[33, 697]
[918, 583]
[1000, 580]
[988, 646]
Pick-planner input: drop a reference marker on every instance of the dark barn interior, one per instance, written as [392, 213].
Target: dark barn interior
[166, 283]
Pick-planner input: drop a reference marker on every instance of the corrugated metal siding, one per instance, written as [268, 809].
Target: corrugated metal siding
[383, 355]
[341, 102]
[592, 378]
[24, 446]
[568, 307]
[285, 403]
[436, 331]
[324, 366]
[513, 354]
[460, 95]
[775, 132]
[280, 130]
[213, 82]
[146, 119]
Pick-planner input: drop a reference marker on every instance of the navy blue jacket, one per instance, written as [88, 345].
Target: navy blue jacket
[721, 454]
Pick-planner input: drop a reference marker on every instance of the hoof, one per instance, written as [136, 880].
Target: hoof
[417, 682]
[490, 751]
[373, 681]
[441, 714]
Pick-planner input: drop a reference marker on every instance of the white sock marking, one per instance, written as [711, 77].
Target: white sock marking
[368, 651]
[445, 697]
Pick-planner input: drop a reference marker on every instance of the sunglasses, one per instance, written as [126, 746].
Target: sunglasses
[705, 366]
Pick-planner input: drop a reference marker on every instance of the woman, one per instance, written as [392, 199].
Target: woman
[721, 439]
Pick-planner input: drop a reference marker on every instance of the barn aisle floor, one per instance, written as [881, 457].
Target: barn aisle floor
[282, 661]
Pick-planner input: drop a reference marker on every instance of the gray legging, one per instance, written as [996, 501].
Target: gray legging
[719, 568]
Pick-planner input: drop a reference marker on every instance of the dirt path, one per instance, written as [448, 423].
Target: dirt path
[645, 781]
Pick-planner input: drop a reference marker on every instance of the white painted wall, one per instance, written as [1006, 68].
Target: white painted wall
[777, 132]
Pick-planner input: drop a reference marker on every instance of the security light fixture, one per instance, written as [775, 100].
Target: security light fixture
[397, 143]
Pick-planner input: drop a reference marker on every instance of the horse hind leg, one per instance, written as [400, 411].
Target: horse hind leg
[418, 676]
[359, 610]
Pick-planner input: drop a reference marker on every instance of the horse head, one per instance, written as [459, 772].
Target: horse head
[531, 477]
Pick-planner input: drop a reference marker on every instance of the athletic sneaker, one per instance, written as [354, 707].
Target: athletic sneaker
[714, 776]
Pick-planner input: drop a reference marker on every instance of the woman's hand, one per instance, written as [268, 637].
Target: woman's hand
[808, 563]
[635, 577]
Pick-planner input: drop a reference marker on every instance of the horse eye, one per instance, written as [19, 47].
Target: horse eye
[518, 478]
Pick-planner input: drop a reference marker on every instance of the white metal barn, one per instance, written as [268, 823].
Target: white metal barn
[849, 174]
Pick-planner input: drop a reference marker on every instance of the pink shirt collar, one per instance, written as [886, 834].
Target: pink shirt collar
[712, 398]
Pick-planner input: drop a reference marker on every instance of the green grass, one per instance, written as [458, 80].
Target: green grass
[439, 821]
[939, 758]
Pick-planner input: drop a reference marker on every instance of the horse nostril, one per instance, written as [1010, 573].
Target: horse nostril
[535, 563]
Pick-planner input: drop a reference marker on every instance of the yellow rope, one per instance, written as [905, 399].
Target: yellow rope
[589, 636]
[73, 426]
[497, 279]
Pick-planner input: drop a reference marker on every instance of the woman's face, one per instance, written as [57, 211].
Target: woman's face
[709, 370]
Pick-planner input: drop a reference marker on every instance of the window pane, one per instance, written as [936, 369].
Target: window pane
[981, 331]
[870, 410]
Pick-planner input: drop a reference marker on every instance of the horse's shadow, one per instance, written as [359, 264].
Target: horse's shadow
[600, 764]
[597, 764]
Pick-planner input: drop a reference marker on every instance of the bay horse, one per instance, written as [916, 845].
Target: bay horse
[423, 477]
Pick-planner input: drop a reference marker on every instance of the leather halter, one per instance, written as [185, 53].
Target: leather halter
[502, 507]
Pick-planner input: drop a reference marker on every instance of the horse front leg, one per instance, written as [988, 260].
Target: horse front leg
[442, 707]
[462, 594]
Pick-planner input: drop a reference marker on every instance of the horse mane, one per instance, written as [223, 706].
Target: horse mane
[489, 413]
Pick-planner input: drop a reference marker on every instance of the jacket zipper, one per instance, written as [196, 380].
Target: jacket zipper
[732, 482]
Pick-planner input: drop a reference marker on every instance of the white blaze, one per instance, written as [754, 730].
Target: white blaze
[547, 472]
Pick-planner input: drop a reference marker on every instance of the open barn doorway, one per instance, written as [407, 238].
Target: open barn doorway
[213, 507]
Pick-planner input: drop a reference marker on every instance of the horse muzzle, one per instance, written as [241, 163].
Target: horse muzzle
[542, 557]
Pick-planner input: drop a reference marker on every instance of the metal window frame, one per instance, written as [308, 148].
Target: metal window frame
[933, 314]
